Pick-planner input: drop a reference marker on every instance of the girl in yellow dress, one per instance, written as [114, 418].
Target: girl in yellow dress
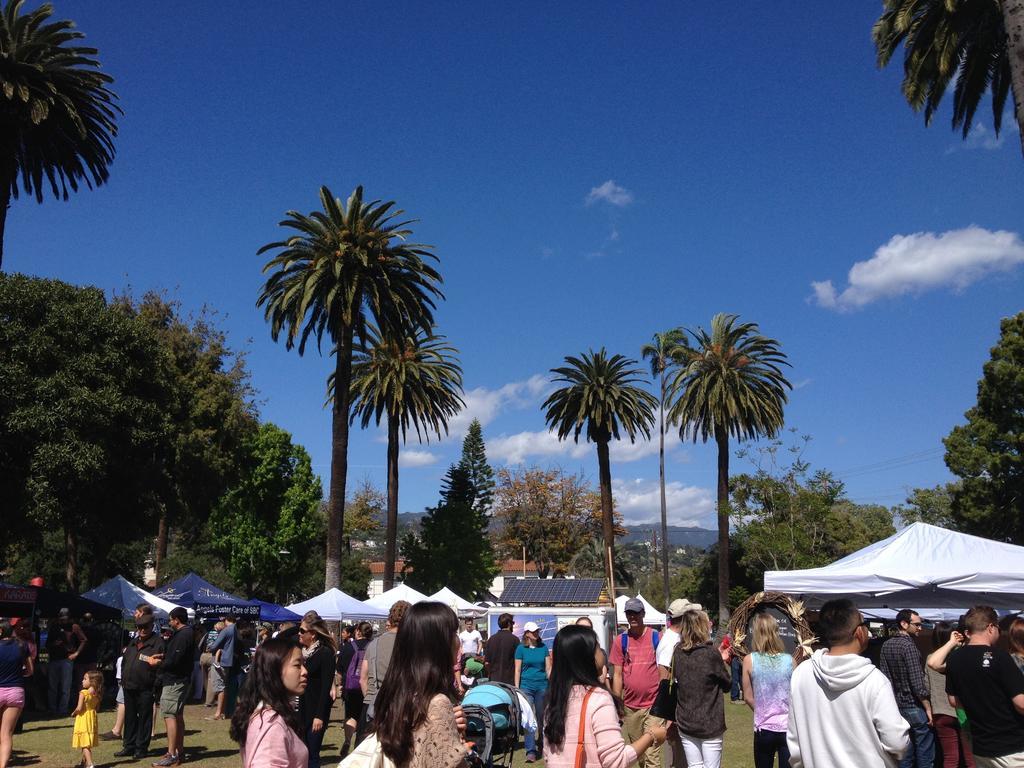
[87, 730]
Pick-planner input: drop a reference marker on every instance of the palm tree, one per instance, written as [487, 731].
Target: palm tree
[663, 351]
[56, 113]
[729, 383]
[416, 381]
[965, 40]
[601, 395]
[347, 264]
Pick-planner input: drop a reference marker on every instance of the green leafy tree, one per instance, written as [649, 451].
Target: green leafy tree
[363, 513]
[211, 415]
[706, 580]
[929, 505]
[550, 514]
[57, 117]
[788, 518]
[601, 396]
[84, 430]
[965, 41]
[987, 453]
[264, 524]
[416, 382]
[663, 352]
[729, 384]
[453, 548]
[474, 461]
[348, 264]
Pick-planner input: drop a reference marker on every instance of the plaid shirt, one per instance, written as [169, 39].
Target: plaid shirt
[901, 663]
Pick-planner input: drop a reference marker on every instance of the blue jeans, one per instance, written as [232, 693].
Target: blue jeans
[737, 675]
[314, 741]
[59, 679]
[533, 743]
[921, 753]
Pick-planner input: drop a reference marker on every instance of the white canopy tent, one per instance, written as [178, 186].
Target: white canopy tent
[464, 608]
[401, 592]
[922, 565]
[335, 605]
[654, 617]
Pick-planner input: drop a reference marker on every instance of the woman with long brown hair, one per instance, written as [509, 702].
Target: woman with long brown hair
[414, 715]
[315, 704]
[701, 678]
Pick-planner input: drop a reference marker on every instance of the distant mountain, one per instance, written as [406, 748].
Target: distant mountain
[678, 535]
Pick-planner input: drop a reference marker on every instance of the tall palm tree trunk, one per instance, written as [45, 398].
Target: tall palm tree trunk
[664, 503]
[339, 459]
[391, 528]
[5, 203]
[604, 469]
[1013, 21]
[161, 544]
[71, 557]
[722, 439]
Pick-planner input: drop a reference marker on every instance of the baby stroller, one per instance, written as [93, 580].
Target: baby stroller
[494, 718]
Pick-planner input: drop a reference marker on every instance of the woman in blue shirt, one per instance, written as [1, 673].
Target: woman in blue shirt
[533, 666]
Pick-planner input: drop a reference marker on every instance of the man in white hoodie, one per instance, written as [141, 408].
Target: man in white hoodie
[842, 711]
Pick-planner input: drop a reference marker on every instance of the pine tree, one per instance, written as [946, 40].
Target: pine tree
[474, 462]
[987, 453]
[453, 549]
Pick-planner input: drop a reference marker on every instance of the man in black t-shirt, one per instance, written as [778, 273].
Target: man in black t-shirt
[500, 651]
[986, 682]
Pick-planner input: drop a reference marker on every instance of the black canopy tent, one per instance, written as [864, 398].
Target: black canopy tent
[45, 603]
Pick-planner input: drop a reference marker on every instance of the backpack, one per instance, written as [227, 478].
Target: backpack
[624, 637]
[355, 665]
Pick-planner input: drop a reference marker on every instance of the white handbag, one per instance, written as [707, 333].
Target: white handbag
[369, 754]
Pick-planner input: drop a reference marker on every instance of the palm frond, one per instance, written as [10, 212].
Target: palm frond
[601, 396]
[57, 114]
[731, 379]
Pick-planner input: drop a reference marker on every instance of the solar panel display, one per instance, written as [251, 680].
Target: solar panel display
[553, 591]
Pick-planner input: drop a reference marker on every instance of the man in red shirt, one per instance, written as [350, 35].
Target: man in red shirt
[635, 679]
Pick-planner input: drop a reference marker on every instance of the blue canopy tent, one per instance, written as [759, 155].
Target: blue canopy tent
[276, 613]
[121, 594]
[192, 591]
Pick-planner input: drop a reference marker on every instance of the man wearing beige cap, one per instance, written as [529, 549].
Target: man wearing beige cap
[636, 678]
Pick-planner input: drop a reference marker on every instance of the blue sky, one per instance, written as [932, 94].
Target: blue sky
[588, 174]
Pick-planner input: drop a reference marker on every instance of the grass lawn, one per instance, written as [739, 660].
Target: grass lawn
[47, 742]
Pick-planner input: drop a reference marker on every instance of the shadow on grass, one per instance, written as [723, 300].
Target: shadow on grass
[20, 757]
[200, 753]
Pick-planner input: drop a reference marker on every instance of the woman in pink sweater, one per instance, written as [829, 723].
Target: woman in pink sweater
[266, 724]
[574, 675]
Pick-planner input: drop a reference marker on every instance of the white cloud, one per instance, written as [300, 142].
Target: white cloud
[485, 404]
[514, 449]
[623, 450]
[611, 193]
[410, 457]
[924, 261]
[639, 501]
[981, 137]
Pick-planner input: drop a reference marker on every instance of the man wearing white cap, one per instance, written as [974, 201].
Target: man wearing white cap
[636, 678]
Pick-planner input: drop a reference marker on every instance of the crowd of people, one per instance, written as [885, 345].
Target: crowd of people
[844, 705]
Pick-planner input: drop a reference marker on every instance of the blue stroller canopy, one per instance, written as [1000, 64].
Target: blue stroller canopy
[492, 698]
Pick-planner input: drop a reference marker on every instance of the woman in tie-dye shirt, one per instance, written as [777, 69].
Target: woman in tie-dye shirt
[766, 674]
